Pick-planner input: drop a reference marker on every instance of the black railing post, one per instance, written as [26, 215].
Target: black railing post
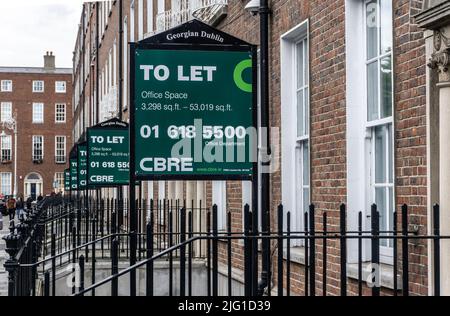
[375, 219]
[47, 283]
[247, 252]
[405, 252]
[437, 251]
[171, 253]
[182, 252]
[191, 234]
[53, 253]
[229, 254]
[312, 255]
[343, 246]
[306, 241]
[149, 267]
[360, 239]
[288, 254]
[74, 258]
[215, 255]
[115, 266]
[11, 265]
[280, 250]
[324, 254]
[81, 263]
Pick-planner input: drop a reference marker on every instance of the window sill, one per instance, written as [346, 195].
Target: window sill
[387, 271]
[386, 274]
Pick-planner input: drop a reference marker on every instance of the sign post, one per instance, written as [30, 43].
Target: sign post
[192, 111]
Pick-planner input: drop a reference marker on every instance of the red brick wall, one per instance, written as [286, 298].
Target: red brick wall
[22, 99]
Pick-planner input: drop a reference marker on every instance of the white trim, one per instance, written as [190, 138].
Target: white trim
[149, 16]
[219, 198]
[33, 143]
[35, 85]
[290, 141]
[34, 112]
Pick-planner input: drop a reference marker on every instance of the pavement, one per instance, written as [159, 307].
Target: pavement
[3, 257]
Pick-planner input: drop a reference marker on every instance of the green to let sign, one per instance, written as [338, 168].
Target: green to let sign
[73, 174]
[82, 166]
[194, 113]
[67, 180]
[108, 156]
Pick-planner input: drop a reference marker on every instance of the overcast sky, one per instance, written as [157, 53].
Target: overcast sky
[32, 27]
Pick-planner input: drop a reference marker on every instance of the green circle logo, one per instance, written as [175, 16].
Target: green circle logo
[240, 83]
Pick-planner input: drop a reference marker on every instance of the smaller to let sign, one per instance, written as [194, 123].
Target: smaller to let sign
[67, 180]
[82, 166]
[73, 174]
[108, 154]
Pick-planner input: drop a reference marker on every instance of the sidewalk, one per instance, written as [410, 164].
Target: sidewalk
[3, 257]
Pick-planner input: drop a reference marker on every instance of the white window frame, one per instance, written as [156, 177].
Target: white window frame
[6, 146]
[219, 198]
[6, 86]
[132, 20]
[6, 183]
[386, 253]
[36, 115]
[140, 19]
[150, 16]
[59, 114]
[5, 111]
[292, 144]
[58, 88]
[38, 86]
[60, 152]
[59, 177]
[34, 142]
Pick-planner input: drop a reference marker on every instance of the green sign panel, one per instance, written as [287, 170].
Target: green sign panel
[108, 155]
[73, 174]
[194, 113]
[82, 166]
[67, 180]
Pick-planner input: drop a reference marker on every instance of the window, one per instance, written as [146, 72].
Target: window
[60, 149]
[295, 156]
[132, 20]
[140, 19]
[38, 86]
[58, 181]
[5, 183]
[60, 87]
[6, 145]
[38, 112]
[149, 16]
[60, 113]
[38, 148]
[6, 86]
[379, 75]
[5, 111]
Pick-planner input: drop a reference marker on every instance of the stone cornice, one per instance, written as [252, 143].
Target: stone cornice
[434, 17]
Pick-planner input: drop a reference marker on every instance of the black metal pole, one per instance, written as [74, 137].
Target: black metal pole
[264, 13]
[132, 185]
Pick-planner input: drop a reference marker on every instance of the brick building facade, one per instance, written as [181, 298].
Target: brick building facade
[38, 100]
[352, 130]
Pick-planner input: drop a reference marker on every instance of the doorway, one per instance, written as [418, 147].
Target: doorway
[33, 185]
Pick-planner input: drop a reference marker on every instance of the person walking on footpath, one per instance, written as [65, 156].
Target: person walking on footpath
[20, 206]
[11, 205]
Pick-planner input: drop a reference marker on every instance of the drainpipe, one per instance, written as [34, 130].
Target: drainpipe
[264, 13]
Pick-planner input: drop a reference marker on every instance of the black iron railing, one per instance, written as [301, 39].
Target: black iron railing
[181, 240]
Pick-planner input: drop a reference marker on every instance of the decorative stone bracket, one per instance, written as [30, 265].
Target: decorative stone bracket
[440, 59]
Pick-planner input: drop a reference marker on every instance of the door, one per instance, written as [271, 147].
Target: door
[33, 191]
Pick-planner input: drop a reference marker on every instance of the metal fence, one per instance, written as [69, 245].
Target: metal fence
[67, 234]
